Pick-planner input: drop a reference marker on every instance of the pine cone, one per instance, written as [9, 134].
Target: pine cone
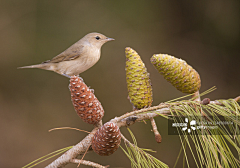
[107, 139]
[177, 72]
[87, 106]
[138, 80]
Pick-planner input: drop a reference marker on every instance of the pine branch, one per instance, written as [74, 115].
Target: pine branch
[72, 153]
[88, 163]
[127, 119]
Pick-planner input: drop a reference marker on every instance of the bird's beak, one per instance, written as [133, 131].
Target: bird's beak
[109, 39]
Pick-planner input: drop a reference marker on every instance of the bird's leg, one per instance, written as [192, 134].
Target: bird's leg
[66, 75]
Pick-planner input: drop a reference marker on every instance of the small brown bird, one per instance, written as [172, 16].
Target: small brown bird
[78, 58]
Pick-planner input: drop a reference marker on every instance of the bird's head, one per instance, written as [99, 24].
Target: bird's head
[97, 39]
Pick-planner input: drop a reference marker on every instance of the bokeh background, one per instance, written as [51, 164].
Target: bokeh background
[204, 33]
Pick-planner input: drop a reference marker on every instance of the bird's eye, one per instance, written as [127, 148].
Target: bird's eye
[97, 37]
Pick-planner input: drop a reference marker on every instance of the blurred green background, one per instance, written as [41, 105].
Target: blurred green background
[204, 33]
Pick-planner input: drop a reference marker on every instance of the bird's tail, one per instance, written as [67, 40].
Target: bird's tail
[41, 66]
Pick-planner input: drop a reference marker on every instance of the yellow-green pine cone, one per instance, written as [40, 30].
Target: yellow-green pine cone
[177, 72]
[138, 81]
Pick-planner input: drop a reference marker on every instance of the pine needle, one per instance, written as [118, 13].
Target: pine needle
[46, 157]
[210, 147]
[139, 157]
[62, 128]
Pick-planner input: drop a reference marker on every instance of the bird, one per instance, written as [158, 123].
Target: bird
[76, 59]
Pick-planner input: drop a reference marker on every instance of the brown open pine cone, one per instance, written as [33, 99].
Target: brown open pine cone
[107, 139]
[87, 106]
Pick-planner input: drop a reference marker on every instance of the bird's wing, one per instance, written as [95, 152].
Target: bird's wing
[71, 53]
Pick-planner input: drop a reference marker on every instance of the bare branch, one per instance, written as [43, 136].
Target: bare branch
[237, 99]
[88, 163]
[158, 137]
[163, 108]
[71, 154]
[196, 96]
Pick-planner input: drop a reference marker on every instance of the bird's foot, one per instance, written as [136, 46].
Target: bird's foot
[80, 78]
[92, 90]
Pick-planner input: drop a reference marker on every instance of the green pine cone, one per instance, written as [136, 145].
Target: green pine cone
[138, 81]
[177, 72]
